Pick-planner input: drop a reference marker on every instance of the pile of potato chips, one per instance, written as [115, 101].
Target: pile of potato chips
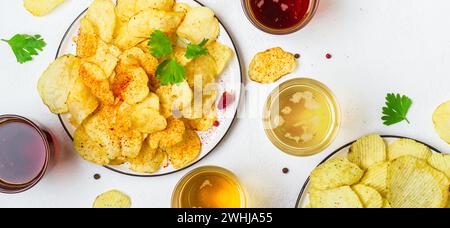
[404, 174]
[109, 88]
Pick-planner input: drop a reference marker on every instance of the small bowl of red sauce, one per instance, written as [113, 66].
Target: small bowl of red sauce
[280, 17]
[25, 152]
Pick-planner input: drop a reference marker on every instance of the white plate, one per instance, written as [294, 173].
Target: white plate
[303, 199]
[230, 81]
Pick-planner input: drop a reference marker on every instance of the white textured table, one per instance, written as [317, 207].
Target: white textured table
[378, 47]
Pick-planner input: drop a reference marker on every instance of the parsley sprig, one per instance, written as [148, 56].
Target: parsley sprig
[396, 109]
[26, 46]
[169, 71]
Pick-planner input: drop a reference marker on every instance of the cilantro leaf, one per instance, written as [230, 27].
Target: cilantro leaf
[170, 72]
[396, 109]
[194, 51]
[160, 44]
[25, 46]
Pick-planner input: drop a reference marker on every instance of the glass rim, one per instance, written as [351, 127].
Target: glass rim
[302, 23]
[7, 188]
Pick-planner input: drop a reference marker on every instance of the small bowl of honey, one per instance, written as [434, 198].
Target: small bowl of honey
[280, 17]
[302, 117]
[209, 187]
[25, 152]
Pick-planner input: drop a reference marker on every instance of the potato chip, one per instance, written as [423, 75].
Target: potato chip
[56, 82]
[201, 72]
[206, 122]
[440, 162]
[125, 9]
[102, 15]
[185, 152]
[166, 5]
[148, 161]
[412, 183]
[200, 23]
[369, 197]
[94, 78]
[175, 98]
[368, 151]
[147, 120]
[169, 137]
[335, 173]
[180, 56]
[343, 197]
[106, 57]
[441, 121]
[87, 39]
[271, 65]
[221, 54]
[386, 204]
[89, 148]
[112, 199]
[409, 147]
[135, 57]
[376, 177]
[181, 7]
[118, 161]
[81, 103]
[131, 85]
[131, 143]
[41, 7]
[146, 22]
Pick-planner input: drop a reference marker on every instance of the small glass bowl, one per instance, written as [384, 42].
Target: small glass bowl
[313, 6]
[183, 183]
[49, 145]
[333, 106]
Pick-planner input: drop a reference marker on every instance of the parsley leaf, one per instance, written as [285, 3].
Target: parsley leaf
[396, 109]
[160, 44]
[170, 72]
[26, 46]
[194, 51]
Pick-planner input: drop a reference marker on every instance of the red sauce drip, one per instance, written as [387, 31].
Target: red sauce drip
[226, 100]
[280, 14]
[22, 153]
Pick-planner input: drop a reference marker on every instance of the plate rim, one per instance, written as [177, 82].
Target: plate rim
[233, 122]
[305, 185]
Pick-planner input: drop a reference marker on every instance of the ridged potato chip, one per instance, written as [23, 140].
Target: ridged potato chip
[41, 7]
[200, 23]
[335, 173]
[56, 82]
[409, 147]
[148, 161]
[367, 151]
[112, 199]
[222, 55]
[169, 137]
[369, 197]
[441, 121]
[343, 197]
[131, 85]
[103, 17]
[81, 103]
[185, 152]
[94, 78]
[89, 148]
[412, 183]
[440, 162]
[269, 66]
[376, 177]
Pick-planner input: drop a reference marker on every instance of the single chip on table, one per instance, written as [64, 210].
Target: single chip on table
[112, 199]
[185, 152]
[369, 197]
[441, 120]
[335, 173]
[269, 66]
[409, 147]
[103, 17]
[412, 183]
[440, 162]
[376, 177]
[56, 82]
[221, 54]
[367, 151]
[343, 197]
[41, 7]
[199, 23]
